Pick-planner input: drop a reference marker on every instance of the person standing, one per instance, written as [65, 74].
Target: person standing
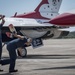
[1, 25]
[11, 47]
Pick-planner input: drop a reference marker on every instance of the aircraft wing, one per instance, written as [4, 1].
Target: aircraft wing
[20, 22]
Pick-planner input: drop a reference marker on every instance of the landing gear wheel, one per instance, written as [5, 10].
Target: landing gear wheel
[22, 53]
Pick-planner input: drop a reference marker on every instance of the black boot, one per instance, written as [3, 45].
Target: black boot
[1, 70]
[10, 71]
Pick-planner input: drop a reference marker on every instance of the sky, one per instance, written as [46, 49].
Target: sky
[9, 7]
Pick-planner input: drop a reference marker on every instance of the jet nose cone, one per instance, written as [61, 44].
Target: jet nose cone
[64, 19]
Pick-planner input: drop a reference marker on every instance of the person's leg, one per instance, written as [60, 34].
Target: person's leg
[13, 56]
[0, 48]
[0, 52]
[5, 61]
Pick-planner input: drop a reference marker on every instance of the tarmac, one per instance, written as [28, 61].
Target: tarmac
[56, 57]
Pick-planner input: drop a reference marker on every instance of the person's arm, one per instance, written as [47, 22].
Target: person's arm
[29, 40]
[18, 36]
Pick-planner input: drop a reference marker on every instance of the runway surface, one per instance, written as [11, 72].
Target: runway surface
[56, 57]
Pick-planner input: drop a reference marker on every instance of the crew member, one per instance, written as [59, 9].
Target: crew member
[11, 47]
[1, 24]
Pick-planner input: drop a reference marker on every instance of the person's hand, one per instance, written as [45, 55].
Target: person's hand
[2, 17]
[29, 40]
[2, 20]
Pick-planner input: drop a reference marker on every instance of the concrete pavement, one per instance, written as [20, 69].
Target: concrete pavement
[56, 57]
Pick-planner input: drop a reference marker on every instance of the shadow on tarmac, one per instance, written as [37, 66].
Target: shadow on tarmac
[7, 74]
[53, 56]
[50, 56]
[66, 67]
[45, 57]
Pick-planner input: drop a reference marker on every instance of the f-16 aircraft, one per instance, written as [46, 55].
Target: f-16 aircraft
[36, 24]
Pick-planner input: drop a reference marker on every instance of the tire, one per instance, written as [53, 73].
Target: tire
[23, 53]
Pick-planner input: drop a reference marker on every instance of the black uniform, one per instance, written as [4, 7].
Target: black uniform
[1, 40]
[11, 47]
